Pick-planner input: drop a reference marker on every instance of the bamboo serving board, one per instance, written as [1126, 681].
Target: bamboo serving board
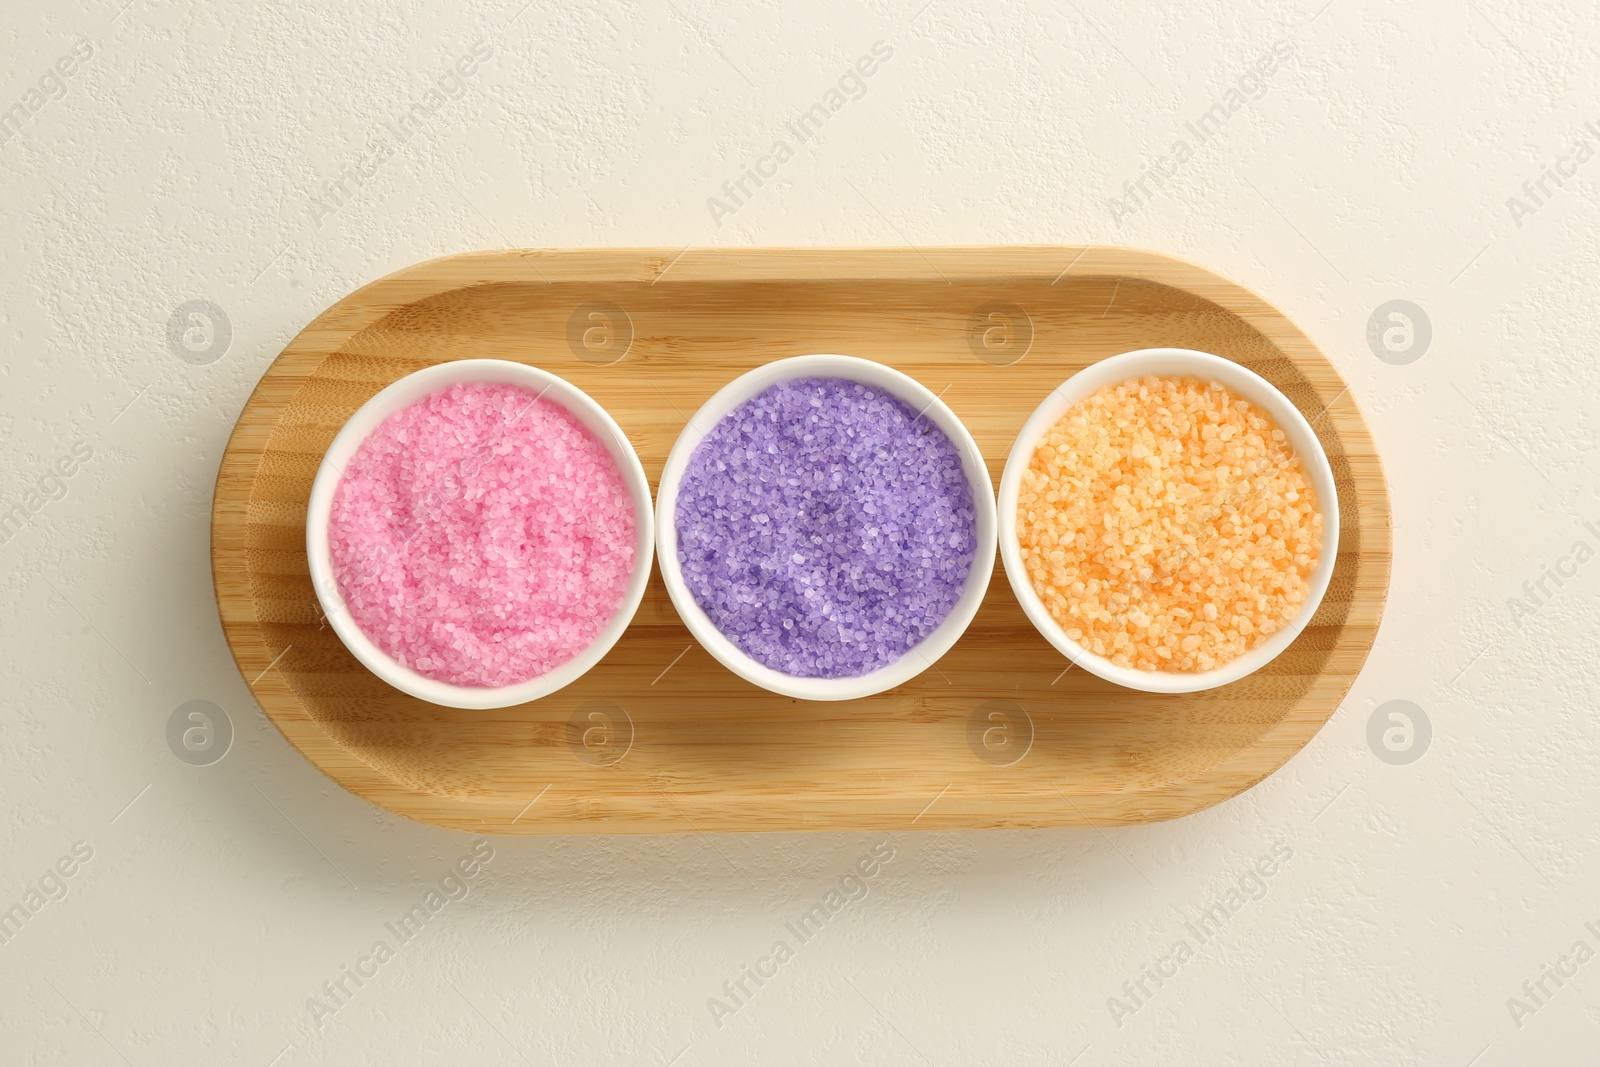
[659, 738]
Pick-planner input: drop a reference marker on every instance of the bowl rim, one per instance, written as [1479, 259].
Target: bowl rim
[920, 656]
[402, 393]
[1189, 363]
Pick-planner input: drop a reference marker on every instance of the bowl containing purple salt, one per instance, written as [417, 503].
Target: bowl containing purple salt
[826, 527]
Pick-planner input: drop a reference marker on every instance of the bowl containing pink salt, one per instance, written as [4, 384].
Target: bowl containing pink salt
[479, 533]
[1168, 520]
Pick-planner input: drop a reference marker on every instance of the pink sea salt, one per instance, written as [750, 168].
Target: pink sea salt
[482, 536]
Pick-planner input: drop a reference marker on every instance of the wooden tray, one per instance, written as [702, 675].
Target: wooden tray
[659, 738]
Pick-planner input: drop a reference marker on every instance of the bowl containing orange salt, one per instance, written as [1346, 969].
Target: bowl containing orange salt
[1168, 520]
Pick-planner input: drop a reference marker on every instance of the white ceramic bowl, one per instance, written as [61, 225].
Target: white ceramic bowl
[405, 392]
[920, 656]
[1187, 363]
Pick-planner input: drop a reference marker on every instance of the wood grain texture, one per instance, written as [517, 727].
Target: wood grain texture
[701, 750]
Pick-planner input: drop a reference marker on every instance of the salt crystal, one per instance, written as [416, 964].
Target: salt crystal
[1189, 514]
[824, 586]
[478, 518]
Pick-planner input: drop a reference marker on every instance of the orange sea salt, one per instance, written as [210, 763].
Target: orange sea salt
[1167, 524]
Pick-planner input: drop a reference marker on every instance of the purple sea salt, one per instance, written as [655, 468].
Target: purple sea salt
[825, 527]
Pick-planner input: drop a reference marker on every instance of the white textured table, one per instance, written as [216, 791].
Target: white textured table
[185, 187]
